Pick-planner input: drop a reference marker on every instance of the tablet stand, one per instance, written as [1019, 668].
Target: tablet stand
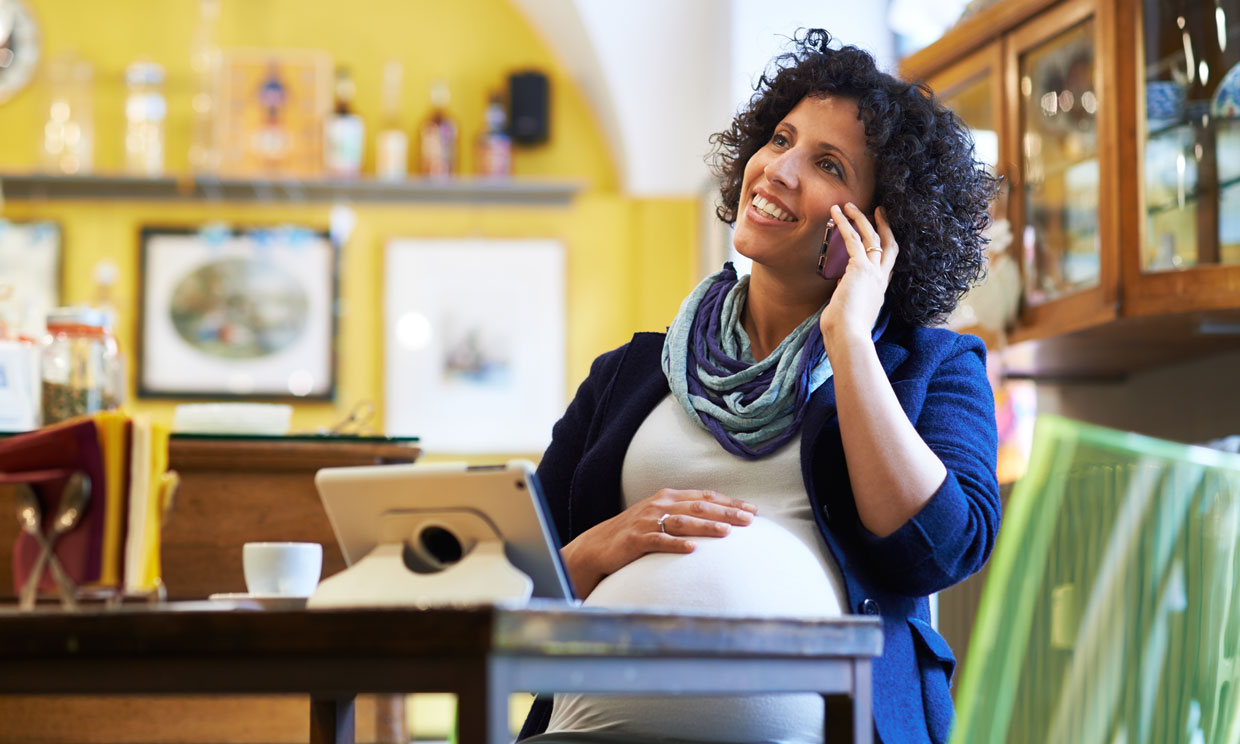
[411, 566]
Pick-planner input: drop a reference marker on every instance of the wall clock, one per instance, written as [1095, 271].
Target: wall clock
[19, 47]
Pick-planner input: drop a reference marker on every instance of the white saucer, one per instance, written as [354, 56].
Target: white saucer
[262, 601]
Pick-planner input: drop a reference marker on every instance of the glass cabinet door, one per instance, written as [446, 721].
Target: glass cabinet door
[1057, 127]
[971, 90]
[1191, 124]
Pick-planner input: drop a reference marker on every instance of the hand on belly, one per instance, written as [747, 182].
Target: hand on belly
[761, 568]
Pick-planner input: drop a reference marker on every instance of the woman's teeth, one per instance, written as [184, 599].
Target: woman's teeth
[770, 210]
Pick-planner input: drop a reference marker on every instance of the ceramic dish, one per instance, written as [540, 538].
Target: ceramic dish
[1164, 100]
[232, 418]
[261, 601]
[1227, 97]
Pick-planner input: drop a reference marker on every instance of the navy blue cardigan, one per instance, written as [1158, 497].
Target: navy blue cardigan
[940, 380]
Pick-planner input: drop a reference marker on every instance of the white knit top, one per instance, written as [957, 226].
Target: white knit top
[777, 565]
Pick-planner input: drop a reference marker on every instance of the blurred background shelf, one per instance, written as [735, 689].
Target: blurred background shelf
[516, 192]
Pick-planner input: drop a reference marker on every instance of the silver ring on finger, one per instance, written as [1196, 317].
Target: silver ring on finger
[663, 527]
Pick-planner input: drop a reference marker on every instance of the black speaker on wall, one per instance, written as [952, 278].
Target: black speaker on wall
[529, 105]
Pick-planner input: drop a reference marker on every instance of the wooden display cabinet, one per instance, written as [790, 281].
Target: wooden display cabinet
[1120, 273]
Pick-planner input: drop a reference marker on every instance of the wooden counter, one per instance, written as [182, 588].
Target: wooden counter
[235, 491]
[232, 491]
[238, 490]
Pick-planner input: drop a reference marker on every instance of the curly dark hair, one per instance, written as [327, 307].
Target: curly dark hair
[933, 190]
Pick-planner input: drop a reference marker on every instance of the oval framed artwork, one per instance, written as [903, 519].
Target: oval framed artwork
[237, 313]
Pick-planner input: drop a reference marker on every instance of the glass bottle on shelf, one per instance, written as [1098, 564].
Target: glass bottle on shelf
[345, 132]
[494, 144]
[145, 110]
[439, 136]
[1060, 245]
[391, 144]
[1192, 134]
[82, 367]
[204, 66]
[68, 134]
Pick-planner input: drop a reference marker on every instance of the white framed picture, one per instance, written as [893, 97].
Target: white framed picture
[474, 343]
[29, 275]
[235, 314]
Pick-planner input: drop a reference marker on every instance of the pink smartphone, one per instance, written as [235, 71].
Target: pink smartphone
[833, 258]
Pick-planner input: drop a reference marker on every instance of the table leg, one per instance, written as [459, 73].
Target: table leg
[390, 719]
[862, 703]
[482, 709]
[331, 720]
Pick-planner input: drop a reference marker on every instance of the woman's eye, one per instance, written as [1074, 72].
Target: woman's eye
[779, 140]
[830, 166]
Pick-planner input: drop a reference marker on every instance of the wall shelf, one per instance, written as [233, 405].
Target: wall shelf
[465, 191]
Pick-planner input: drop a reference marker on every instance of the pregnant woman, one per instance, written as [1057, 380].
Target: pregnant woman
[802, 441]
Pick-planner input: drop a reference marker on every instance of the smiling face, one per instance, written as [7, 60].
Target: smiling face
[816, 158]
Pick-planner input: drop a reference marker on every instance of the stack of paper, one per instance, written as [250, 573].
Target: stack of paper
[149, 495]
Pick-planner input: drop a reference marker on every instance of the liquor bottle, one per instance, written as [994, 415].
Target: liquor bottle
[145, 110]
[391, 144]
[439, 135]
[494, 144]
[345, 132]
[204, 151]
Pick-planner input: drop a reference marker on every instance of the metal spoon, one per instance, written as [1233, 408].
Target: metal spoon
[30, 516]
[73, 500]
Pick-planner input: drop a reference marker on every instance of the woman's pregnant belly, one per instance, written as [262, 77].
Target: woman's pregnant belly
[763, 568]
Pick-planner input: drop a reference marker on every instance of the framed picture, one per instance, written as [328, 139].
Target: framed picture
[474, 343]
[29, 275]
[271, 112]
[232, 314]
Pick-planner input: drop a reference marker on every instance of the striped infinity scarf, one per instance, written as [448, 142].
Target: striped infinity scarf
[751, 408]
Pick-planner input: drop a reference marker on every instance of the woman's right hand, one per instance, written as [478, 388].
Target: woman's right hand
[658, 524]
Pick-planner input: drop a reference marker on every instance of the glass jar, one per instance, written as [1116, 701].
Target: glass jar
[145, 109]
[82, 366]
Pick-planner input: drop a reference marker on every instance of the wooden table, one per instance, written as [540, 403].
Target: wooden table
[482, 654]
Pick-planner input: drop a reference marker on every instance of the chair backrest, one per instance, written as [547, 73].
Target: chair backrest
[1111, 612]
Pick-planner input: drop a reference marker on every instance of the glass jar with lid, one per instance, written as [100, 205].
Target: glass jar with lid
[82, 367]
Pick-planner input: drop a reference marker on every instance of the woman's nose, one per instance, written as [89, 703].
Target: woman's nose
[783, 169]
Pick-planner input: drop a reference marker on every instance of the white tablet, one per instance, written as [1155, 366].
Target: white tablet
[357, 500]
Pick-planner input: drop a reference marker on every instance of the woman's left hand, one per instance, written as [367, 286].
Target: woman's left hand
[858, 297]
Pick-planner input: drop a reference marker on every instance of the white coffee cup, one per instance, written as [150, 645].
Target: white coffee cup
[286, 569]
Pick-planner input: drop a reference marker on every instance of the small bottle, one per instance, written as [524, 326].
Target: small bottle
[345, 132]
[494, 144]
[439, 136]
[204, 65]
[391, 144]
[145, 110]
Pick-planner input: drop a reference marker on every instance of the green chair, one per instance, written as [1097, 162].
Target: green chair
[1111, 613]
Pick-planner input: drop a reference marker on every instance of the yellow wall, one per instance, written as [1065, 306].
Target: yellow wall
[630, 261]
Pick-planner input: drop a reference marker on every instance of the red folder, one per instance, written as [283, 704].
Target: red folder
[73, 445]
